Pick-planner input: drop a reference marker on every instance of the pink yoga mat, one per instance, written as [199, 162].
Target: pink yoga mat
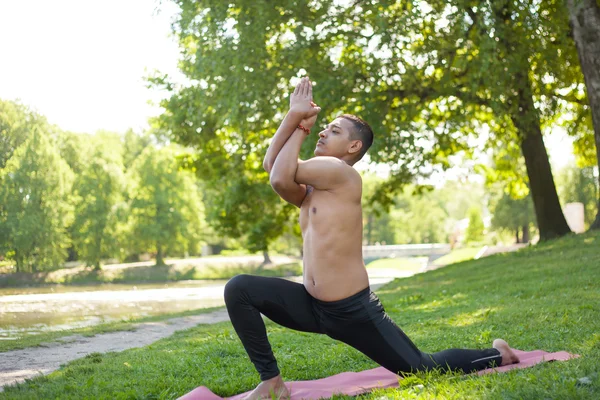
[355, 383]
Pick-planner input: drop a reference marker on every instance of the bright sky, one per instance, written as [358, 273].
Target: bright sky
[81, 63]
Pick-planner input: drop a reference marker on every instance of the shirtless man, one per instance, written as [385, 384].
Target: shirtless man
[335, 298]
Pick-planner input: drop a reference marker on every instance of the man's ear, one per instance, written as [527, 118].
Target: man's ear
[355, 146]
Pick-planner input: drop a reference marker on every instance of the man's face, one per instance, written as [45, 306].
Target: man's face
[334, 140]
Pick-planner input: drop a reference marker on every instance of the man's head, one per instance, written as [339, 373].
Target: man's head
[347, 137]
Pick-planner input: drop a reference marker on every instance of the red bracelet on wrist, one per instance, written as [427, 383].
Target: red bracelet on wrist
[306, 130]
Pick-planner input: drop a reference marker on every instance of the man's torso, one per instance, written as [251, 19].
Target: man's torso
[331, 223]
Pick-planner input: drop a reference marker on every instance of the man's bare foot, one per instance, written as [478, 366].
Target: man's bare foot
[269, 389]
[508, 356]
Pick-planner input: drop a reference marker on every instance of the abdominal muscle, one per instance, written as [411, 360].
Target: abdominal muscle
[332, 252]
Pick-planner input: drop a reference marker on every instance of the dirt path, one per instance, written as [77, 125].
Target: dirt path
[18, 365]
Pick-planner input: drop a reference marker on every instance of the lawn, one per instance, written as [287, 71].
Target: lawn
[412, 264]
[457, 255]
[543, 297]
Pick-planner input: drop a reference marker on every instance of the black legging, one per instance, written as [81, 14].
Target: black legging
[358, 320]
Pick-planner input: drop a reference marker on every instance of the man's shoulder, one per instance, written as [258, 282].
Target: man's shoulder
[327, 173]
[342, 165]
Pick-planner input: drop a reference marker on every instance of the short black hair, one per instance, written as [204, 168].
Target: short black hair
[361, 131]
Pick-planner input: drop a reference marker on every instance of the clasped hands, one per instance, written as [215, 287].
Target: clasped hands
[301, 103]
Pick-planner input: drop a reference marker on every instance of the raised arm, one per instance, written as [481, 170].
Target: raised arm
[284, 170]
[288, 126]
[302, 111]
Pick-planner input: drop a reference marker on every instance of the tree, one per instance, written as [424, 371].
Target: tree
[428, 72]
[515, 215]
[241, 207]
[74, 148]
[584, 17]
[418, 216]
[36, 196]
[475, 229]
[17, 123]
[165, 208]
[132, 146]
[99, 193]
[378, 223]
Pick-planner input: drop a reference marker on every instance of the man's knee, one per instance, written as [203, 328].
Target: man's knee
[236, 286]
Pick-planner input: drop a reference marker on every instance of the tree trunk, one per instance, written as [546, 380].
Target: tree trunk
[525, 237]
[517, 235]
[584, 18]
[159, 255]
[522, 111]
[18, 262]
[267, 259]
[550, 218]
[97, 257]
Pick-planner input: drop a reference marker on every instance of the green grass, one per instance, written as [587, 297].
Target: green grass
[543, 297]
[404, 264]
[458, 255]
[122, 325]
[146, 274]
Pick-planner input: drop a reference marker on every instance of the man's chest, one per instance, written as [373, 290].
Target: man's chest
[318, 207]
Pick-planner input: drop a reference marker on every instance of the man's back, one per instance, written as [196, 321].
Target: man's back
[331, 223]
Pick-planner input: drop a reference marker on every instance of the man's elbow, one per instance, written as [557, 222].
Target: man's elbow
[278, 182]
[267, 166]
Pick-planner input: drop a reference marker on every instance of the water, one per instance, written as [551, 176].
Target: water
[34, 310]
[27, 311]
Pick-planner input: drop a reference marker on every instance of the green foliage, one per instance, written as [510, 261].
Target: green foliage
[17, 123]
[428, 76]
[165, 211]
[36, 199]
[38, 165]
[377, 221]
[512, 214]
[420, 218]
[510, 202]
[74, 148]
[290, 242]
[132, 146]
[508, 170]
[419, 214]
[99, 192]
[241, 206]
[475, 230]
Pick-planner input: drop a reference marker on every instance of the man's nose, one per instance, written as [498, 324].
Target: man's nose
[322, 134]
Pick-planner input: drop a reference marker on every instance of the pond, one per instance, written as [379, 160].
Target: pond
[34, 310]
